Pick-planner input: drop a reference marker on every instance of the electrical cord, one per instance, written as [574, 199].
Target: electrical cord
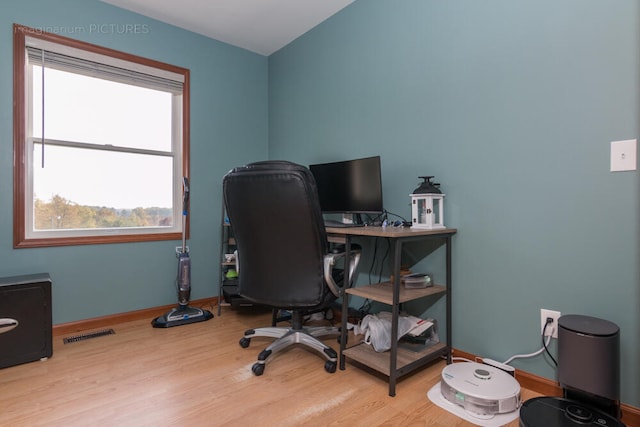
[535, 353]
[526, 356]
[396, 215]
[378, 219]
[505, 365]
[373, 258]
[547, 343]
[366, 306]
[384, 257]
[382, 218]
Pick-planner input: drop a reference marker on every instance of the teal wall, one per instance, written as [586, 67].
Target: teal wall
[512, 106]
[228, 127]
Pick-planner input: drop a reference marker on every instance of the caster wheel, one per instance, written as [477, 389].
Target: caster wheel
[244, 342]
[330, 366]
[258, 369]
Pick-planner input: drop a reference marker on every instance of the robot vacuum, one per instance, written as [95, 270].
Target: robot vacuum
[480, 389]
[560, 412]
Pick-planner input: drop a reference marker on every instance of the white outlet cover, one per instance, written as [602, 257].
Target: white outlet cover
[555, 315]
[623, 155]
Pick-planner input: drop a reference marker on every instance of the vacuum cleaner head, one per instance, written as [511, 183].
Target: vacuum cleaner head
[181, 315]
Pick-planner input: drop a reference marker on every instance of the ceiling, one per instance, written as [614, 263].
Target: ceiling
[261, 26]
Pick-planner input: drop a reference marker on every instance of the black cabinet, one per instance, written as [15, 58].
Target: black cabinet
[25, 319]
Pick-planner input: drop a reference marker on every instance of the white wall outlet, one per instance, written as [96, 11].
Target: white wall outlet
[544, 314]
[623, 155]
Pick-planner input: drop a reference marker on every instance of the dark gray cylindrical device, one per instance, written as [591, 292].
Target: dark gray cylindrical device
[589, 361]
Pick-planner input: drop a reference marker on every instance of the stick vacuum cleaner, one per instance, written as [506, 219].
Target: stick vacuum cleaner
[183, 314]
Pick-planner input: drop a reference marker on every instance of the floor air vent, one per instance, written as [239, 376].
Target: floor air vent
[89, 335]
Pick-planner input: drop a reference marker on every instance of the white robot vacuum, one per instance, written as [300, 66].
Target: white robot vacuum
[480, 389]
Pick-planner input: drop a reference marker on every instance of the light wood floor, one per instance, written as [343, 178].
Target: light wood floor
[198, 375]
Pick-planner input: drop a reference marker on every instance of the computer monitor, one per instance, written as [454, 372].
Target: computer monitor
[350, 186]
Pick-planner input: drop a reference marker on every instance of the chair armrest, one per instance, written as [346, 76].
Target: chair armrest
[330, 261]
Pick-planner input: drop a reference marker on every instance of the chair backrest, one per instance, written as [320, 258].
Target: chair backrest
[279, 230]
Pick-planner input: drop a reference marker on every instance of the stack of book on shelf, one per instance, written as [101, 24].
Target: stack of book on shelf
[417, 280]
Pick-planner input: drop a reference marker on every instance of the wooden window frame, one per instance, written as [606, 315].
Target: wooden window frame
[20, 239]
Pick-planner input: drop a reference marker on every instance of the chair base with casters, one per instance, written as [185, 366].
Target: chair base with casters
[297, 333]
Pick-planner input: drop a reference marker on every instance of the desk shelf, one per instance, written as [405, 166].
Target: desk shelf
[383, 292]
[405, 360]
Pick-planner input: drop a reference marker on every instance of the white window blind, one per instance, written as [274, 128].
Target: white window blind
[72, 60]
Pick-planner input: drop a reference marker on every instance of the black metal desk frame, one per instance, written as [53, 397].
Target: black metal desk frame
[398, 237]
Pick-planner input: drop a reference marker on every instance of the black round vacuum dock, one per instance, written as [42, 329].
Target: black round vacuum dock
[559, 412]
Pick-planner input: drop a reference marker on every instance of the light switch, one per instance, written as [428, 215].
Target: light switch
[623, 155]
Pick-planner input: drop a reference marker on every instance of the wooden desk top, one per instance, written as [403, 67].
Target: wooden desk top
[392, 232]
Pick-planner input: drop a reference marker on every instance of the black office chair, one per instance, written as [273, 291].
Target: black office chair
[283, 260]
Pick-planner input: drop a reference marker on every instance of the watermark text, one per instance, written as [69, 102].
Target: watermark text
[116, 29]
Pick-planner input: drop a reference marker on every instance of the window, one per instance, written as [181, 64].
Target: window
[100, 143]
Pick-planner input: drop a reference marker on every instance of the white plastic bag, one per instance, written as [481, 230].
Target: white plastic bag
[377, 330]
